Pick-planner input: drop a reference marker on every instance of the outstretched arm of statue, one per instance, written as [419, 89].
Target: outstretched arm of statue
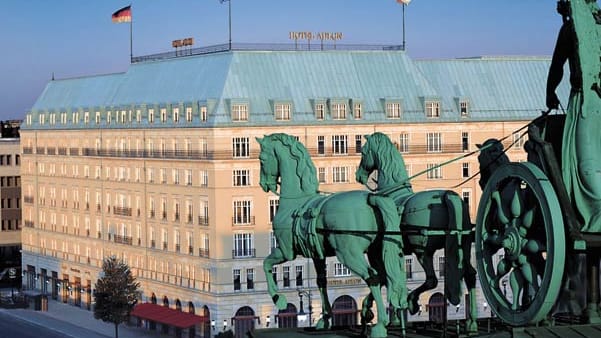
[560, 56]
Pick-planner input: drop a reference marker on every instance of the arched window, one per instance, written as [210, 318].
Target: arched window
[288, 317]
[344, 311]
[153, 298]
[437, 309]
[165, 301]
[178, 305]
[244, 321]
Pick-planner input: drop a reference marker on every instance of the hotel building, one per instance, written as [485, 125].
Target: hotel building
[159, 166]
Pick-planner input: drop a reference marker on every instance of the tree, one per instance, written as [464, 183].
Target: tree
[116, 293]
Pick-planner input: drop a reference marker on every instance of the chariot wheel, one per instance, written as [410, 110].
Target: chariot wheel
[520, 244]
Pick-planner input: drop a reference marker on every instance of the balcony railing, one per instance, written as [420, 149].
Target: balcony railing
[203, 252]
[153, 243]
[244, 253]
[122, 211]
[123, 239]
[243, 220]
[28, 199]
[28, 224]
[203, 220]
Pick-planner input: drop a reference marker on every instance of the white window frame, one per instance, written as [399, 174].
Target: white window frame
[432, 109]
[393, 110]
[283, 111]
[338, 111]
[239, 112]
[434, 142]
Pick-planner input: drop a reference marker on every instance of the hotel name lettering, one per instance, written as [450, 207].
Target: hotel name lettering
[333, 36]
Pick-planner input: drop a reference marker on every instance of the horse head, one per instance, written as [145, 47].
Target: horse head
[379, 153]
[285, 161]
[269, 165]
[368, 163]
[490, 158]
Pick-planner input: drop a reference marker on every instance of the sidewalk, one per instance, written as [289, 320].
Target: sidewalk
[76, 322]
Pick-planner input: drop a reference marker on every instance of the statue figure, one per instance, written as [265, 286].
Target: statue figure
[316, 226]
[430, 220]
[579, 43]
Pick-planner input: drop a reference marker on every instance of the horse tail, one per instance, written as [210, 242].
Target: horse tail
[453, 247]
[392, 249]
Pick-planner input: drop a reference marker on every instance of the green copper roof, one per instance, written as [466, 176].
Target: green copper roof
[496, 88]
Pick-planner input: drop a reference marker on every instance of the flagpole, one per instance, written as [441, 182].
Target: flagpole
[229, 3]
[131, 40]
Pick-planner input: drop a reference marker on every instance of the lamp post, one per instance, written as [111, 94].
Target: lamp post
[302, 316]
[404, 3]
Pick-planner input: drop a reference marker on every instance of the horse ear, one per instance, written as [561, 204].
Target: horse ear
[367, 136]
[259, 140]
[479, 146]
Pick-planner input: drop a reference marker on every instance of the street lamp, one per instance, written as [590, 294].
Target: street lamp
[302, 316]
[404, 3]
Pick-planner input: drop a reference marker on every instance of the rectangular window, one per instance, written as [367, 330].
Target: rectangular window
[358, 139]
[465, 170]
[86, 117]
[434, 142]
[97, 118]
[163, 112]
[299, 275]
[250, 279]
[241, 177]
[441, 264]
[286, 276]
[338, 111]
[409, 267]
[321, 145]
[273, 208]
[274, 273]
[404, 143]
[340, 175]
[339, 144]
[466, 196]
[240, 147]
[320, 111]
[434, 171]
[138, 116]
[464, 108]
[236, 278]
[108, 117]
[321, 174]
[518, 140]
[242, 212]
[243, 245]
[282, 112]
[203, 113]
[432, 109]
[151, 115]
[188, 114]
[175, 115]
[188, 177]
[340, 270]
[393, 110]
[239, 112]
[357, 111]
[465, 141]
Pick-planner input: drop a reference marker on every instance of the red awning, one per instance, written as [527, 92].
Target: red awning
[165, 315]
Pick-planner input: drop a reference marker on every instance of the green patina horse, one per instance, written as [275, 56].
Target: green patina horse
[430, 220]
[344, 225]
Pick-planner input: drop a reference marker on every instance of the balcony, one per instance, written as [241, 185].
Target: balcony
[123, 239]
[244, 253]
[248, 220]
[191, 250]
[177, 248]
[122, 211]
[164, 245]
[27, 150]
[153, 244]
[203, 220]
[203, 252]
[28, 224]
[28, 199]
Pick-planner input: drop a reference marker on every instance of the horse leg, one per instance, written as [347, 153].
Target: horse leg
[276, 257]
[355, 261]
[367, 315]
[426, 261]
[322, 282]
[469, 276]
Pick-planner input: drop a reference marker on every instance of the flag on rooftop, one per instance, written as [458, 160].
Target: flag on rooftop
[122, 15]
[403, 2]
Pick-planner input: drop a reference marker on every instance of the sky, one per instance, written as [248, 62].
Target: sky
[71, 38]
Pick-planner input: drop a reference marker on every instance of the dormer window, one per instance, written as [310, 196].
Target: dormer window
[239, 112]
[282, 111]
[358, 110]
[163, 115]
[464, 108]
[203, 113]
[42, 118]
[175, 115]
[393, 110]
[320, 111]
[338, 111]
[188, 114]
[150, 115]
[432, 109]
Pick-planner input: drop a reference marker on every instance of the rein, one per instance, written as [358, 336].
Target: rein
[402, 184]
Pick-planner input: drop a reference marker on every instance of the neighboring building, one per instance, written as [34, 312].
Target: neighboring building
[158, 166]
[10, 205]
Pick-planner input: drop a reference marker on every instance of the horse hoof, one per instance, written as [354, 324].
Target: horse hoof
[280, 301]
[413, 305]
[322, 324]
[368, 317]
[471, 326]
[378, 331]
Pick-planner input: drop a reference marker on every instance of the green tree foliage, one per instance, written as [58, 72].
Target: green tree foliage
[116, 293]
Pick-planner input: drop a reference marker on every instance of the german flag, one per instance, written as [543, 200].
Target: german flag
[122, 15]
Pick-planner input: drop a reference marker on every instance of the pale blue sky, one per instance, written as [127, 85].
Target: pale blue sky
[77, 38]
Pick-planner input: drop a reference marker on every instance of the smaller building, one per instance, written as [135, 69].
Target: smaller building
[10, 205]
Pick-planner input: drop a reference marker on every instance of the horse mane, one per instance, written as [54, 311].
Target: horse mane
[490, 158]
[390, 160]
[304, 168]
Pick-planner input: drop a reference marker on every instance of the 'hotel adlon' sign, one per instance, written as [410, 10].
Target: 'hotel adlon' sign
[333, 36]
